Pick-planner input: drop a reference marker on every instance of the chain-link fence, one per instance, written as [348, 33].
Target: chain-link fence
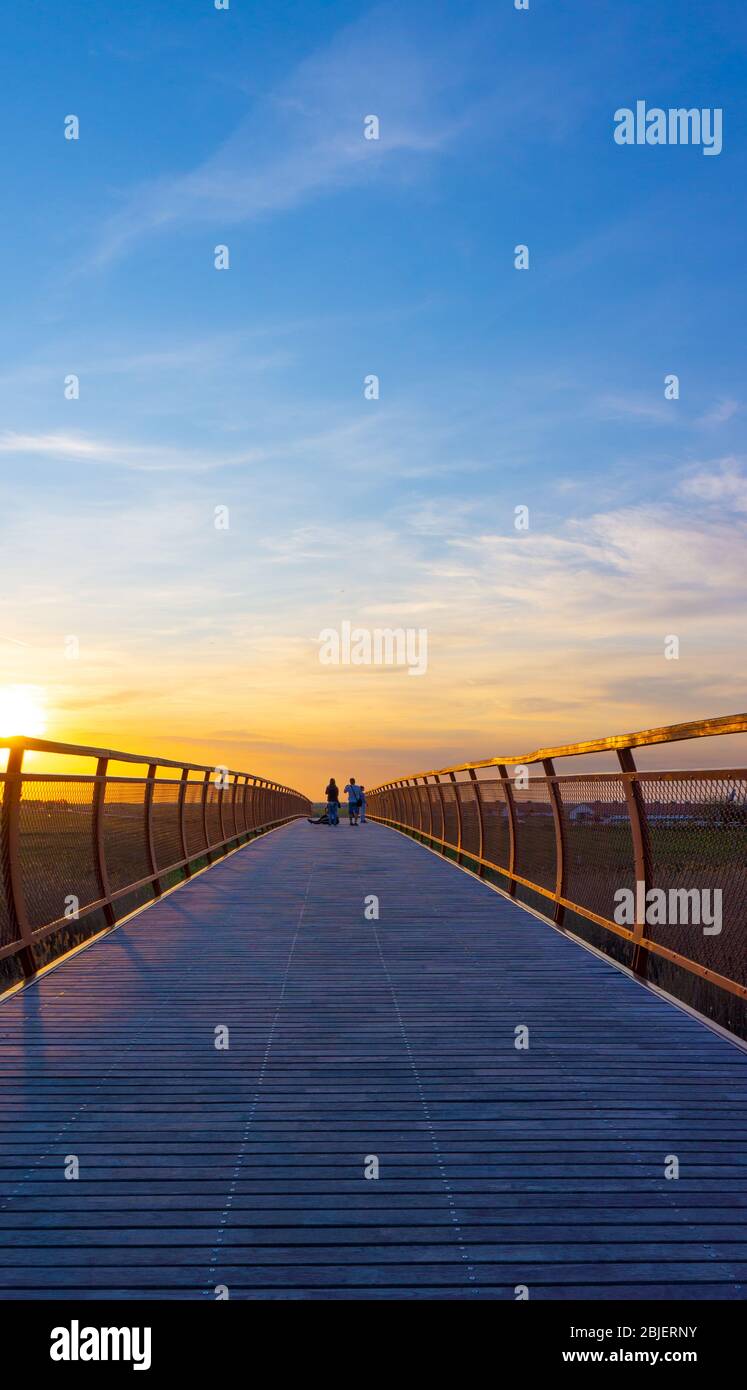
[79, 850]
[648, 866]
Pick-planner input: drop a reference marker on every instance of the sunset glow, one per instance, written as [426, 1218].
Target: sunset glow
[22, 711]
[301, 520]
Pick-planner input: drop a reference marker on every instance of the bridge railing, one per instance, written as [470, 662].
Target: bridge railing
[590, 849]
[81, 849]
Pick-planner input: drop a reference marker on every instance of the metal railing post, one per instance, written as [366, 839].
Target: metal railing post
[442, 836]
[407, 811]
[238, 804]
[99, 851]
[641, 854]
[508, 792]
[219, 788]
[234, 786]
[404, 805]
[480, 819]
[420, 806]
[557, 815]
[150, 844]
[205, 795]
[11, 861]
[458, 805]
[183, 821]
[430, 807]
[414, 799]
[408, 814]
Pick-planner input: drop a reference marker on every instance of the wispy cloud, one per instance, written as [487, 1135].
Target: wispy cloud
[723, 483]
[80, 448]
[722, 411]
[305, 137]
[401, 443]
[526, 632]
[635, 406]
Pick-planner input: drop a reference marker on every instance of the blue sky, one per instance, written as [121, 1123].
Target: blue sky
[245, 388]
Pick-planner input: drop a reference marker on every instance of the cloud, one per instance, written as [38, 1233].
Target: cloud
[80, 448]
[616, 575]
[632, 406]
[533, 638]
[722, 411]
[299, 545]
[722, 482]
[305, 137]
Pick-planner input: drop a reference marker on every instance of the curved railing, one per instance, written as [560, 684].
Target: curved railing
[79, 850]
[601, 847]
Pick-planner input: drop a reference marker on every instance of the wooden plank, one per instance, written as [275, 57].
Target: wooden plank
[348, 1038]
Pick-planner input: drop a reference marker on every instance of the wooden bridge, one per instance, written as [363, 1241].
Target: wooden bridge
[450, 1099]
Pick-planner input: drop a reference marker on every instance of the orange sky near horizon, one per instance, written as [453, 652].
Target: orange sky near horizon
[371, 724]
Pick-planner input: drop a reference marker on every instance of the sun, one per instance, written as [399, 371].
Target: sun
[22, 711]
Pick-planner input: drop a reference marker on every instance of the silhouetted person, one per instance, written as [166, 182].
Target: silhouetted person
[354, 800]
[333, 802]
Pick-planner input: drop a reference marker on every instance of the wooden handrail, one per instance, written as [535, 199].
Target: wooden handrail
[77, 750]
[669, 733]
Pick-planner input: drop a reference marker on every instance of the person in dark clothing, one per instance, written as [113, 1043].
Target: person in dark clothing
[332, 794]
[331, 815]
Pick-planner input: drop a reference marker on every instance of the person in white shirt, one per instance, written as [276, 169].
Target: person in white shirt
[354, 800]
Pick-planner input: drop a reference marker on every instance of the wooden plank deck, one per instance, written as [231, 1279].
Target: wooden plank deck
[395, 1038]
